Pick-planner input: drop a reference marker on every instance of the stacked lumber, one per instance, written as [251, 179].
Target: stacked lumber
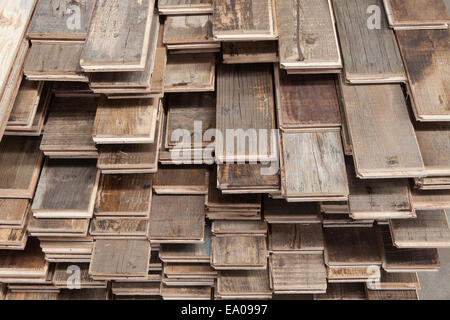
[233, 149]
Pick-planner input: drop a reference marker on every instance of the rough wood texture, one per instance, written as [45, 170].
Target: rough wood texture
[306, 101]
[433, 141]
[237, 108]
[126, 121]
[296, 237]
[244, 19]
[185, 6]
[124, 195]
[351, 247]
[177, 218]
[20, 160]
[189, 29]
[250, 52]
[381, 132]
[413, 14]
[429, 230]
[59, 226]
[66, 189]
[13, 212]
[25, 104]
[239, 227]
[181, 180]
[307, 35]
[313, 165]
[426, 54]
[343, 291]
[298, 273]
[61, 19]
[370, 55]
[118, 38]
[120, 258]
[190, 73]
[394, 295]
[55, 60]
[235, 284]
[69, 126]
[241, 252]
[430, 199]
[126, 228]
[15, 19]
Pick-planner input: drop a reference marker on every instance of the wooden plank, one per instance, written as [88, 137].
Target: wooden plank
[171, 7]
[418, 14]
[236, 20]
[13, 212]
[394, 295]
[135, 121]
[67, 20]
[124, 195]
[118, 38]
[343, 291]
[375, 114]
[379, 199]
[298, 273]
[247, 178]
[16, 16]
[120, 258]
[241, 252]
[65, 227]
[395, 281]
[55, 61]
[177, 218]
[181, 180]
[250, 52]
[430, 199]
[12, 86]
[21, 160]
[66, 189]
[238, 110]
[26, 104]
[119, 228]
[308, 38]
[185, 293]
[351, 247]
[306, 101]
[296, 237]
[239, 227]
[353, 274]
[29, 263]
[313, 165]
[405, 260]
[188, 30]
[280, 211]
[433, 142]
[69, 127]
[237, 284]
[83, 294]
[429, 230]
[190, 73]
[426, 54]
[370, 55]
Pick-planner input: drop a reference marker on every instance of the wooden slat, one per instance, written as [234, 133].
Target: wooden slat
[308, 38]
[126, 121]
[236, 284]
[118, 38]
[124, 195]
[250, 52]
[426, 54]
[26, 104]
[61, 20]
[298, 273]
[296, 237]
[188, 30]
[418, 14]
[237, 109]
[429, 230]
[370, 55]
[430, 199]
[375, 114]
[119, 228]
[190, 73]
[16, 15]
[244, 19]
[306, 101]
[343, 291]
[20, 160]
[120, 258]
[184, 6]
[66, 189]
[313, 165]
[13, 212]
[181, 180]
[177, 218]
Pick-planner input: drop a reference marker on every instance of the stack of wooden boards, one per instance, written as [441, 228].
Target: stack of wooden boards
[232, 149]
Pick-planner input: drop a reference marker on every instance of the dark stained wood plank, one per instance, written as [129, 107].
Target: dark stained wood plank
[306, 101]
[181, 180]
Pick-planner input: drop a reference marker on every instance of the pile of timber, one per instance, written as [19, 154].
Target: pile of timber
[232, 149]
